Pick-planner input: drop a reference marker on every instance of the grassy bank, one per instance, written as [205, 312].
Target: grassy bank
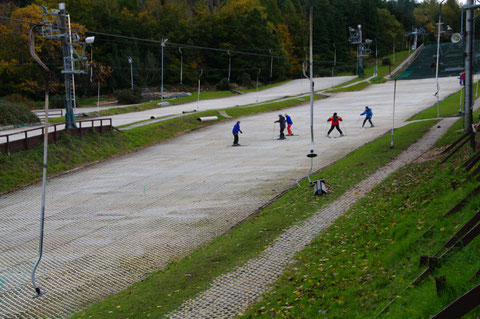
[185, 278]
[383, 70]
[451, 106]
[204, 95]
[70, 152]
[371, 254]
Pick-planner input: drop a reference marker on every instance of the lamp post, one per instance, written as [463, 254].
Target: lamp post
[271, 63]
[90, 40]
[334, 59]
[163, 45]
[469, 28]
[181, 65]
[131, 70]
[198, 96]
[259, 71]
[438, 58]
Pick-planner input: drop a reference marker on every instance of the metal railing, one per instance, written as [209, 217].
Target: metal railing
[51, 113]
[25, 139]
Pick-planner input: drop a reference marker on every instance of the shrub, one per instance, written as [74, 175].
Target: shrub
[224, 85]
[246, 80]
[20, 100]
[323, 72]
[386, 61]
[56, 102]
[129, 96]
[14, 114]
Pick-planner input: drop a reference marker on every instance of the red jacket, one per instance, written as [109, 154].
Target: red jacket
[335, 120]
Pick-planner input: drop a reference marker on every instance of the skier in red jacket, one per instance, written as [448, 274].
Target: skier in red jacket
[335, 124]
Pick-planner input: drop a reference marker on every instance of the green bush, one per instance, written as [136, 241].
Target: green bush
[386, 61]
[56, 102]
[129, 96]
[224, 85]
[246, 80]
[323, 72]
[20, 100]
[13, 114]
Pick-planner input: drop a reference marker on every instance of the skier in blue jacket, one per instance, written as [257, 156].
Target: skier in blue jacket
[235, 131]
[289, 124]
[368, 116]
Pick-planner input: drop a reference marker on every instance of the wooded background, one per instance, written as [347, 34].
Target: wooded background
[276, 28]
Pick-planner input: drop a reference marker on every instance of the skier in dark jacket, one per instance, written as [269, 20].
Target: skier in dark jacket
[335, 124]
[281, 120]
[235, 131]
[368, 116]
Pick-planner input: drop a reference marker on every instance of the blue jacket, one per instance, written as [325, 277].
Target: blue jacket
[368, 113]
[289, 120]
[236, 129]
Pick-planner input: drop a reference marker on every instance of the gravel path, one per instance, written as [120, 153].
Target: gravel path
[234, 292]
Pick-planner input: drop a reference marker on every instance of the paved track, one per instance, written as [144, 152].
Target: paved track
[111, 223]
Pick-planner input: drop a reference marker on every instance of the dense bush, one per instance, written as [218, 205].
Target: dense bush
[246, 80]
[56, 102]
[13, 114]
[386, 61]
[20, 100]
[129, 96]
[224, 85]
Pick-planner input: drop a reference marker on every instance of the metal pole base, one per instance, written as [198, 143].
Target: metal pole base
[39, 293]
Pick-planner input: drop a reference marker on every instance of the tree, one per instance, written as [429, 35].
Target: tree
[392, 30]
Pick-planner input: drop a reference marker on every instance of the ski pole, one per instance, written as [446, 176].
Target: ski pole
[344, 129]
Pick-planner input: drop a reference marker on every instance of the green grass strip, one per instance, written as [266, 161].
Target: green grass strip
[456, 130]
[165, 290]
[356, 87]
[450, 106]
[383, 70]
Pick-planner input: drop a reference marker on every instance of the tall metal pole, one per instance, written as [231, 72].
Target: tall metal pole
[198, 97]
[334, 59]
[312, 154]
[393, 115]
[130, 61]
[181, 65]
[259, 70]
[74, 98]
[163, 45]
[393, 51]
[229, 65]
[437, 94]
[271, 64]
[360, 53]
[311, 77]
[416, 39]
[469, 69]
[67, 65]
[45, 148]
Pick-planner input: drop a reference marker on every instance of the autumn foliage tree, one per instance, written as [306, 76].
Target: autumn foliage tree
[262, 28]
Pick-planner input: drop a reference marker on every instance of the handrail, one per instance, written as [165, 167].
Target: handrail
[59, 124]
[29, 140]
